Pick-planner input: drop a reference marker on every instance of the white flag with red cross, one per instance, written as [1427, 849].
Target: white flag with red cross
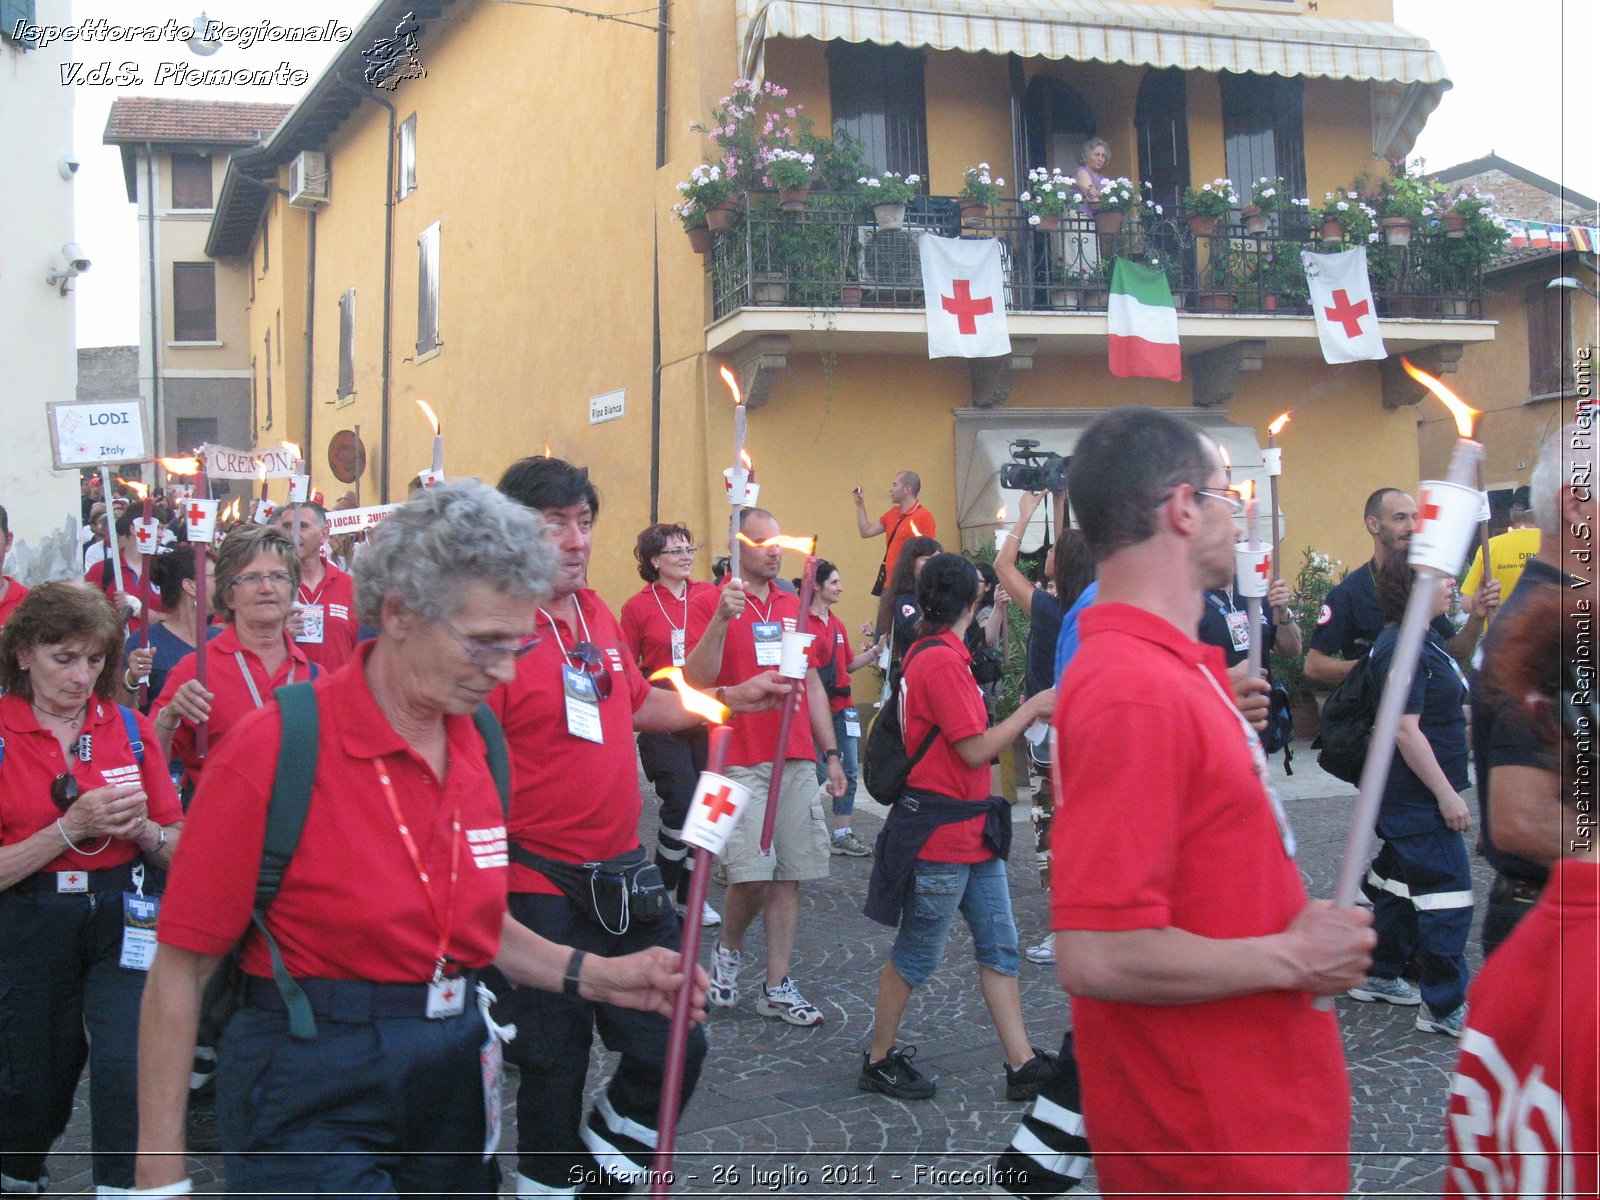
[1341, 301]
[714, 811]
[200, 520]
[964, 292]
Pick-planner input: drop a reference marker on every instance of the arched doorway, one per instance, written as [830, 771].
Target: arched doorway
[1057, 122]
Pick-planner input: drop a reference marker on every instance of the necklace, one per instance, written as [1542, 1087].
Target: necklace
[73, 718]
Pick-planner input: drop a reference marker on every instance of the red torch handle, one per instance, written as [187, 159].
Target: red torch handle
[769, 820]
[202, 609]
[144, 607]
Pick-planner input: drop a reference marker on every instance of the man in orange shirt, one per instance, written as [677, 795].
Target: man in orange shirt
[904, 520]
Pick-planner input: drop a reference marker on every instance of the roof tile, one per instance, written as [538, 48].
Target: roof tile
[157, 119]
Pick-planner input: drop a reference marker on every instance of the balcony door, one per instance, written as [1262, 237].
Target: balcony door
[877, 98]
[1056, 123]
[1161, 124]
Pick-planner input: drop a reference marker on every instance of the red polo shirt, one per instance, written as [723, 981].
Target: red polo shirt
[897, 529]
[832, 645]
[650, 616]
[939, 689]
[340, 628]
[576, 801]
[14, 595]
[1167, 824]
[352, 905]
[755, 735]
[33, 759]
[231, 699]
[96, 575]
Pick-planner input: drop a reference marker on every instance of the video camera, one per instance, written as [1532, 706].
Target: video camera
[1032, 469]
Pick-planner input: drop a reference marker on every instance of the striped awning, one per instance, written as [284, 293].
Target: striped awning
[1408, 78]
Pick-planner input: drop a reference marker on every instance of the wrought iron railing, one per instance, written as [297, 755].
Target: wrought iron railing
[834, 253]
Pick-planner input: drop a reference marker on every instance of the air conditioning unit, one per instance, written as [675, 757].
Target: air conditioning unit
[308, 179]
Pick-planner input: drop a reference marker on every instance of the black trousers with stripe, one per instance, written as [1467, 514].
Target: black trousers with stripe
[673, 762]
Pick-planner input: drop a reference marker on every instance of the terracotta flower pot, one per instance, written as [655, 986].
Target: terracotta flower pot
[1397, 230]
[793, 199]
[889, 216]
[972, 211]
[1066, 297]
[699, 239]
[1255, 220]
[1454, 224]
[850, 295]
[1201, 225]
[1269, 302]
[769, 287]
[1109, 220]
[723, 215]
[1215, 302]
[1332, 231]
[1048, 225]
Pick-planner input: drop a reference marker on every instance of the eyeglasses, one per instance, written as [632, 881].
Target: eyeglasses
[1232, 497]
[64, 791]
[587, 655]
[485, 655]
[681, 551]
[279, 579]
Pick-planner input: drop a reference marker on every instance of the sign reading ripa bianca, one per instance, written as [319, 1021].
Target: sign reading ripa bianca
[608, 407]
[87, 432]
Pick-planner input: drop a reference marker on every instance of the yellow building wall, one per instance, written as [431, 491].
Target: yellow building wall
[279, 307]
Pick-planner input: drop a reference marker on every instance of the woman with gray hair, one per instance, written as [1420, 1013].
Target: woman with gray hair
[394, 899]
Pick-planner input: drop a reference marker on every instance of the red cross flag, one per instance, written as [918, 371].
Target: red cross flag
[964, 291]
[1341, 300]
[200, 519]
[718, 802]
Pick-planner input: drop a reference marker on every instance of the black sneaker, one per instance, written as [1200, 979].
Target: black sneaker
[1028, 1080]
[895, 1076]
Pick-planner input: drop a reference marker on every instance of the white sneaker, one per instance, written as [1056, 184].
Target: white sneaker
[1044, 953]
[710, 918]
[725, 964]
[787, 1004]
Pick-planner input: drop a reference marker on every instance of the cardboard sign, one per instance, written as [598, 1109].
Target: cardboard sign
[718, 802]
[355, 520]
[222, 463]
[87, 432]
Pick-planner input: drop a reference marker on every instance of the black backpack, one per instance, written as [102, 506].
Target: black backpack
[1347, 719]
[286, 818]
[885, 766]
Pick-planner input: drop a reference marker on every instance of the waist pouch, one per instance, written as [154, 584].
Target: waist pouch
[614, 893]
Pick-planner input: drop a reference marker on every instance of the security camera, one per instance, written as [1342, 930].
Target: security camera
[67, 166]
[77, 260]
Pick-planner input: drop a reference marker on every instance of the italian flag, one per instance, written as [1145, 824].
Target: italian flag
[1142, 322]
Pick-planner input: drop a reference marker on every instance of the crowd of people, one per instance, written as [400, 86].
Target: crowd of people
[466, 711]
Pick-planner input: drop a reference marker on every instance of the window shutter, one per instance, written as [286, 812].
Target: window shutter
[194, 302]
[428, 289]
[191, 180]
[12, 11]
[347, 343]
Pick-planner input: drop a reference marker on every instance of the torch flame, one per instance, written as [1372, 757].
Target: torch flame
[294, 449]
[547, 449]
[1277, 426]
[1248, 489]
[1465, 415]
[180, 466]
[800, 545]
[700, 704]
[744, 457]
[1000, 515]
[1227, 461]
[915, 532]
[732, 381]
[134, 486]
[427, 411]
[231, 513]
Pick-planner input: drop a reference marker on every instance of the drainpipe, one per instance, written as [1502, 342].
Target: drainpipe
[655, 266]
[311, 312]
[155, 301]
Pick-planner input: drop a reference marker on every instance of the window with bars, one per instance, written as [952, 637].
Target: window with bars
[877, 98]
[1549, 339]
[194, 432]
[194, 302]
[1263, 131]
[408, 157]
[428, 289]
[191, 181]
[347, 343]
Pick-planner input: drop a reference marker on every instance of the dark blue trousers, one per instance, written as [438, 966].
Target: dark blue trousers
[673, 762]
[380, 1106]
[1421, 890]
[64, 1001]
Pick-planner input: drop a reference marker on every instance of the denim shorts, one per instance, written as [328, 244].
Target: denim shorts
[981, 892]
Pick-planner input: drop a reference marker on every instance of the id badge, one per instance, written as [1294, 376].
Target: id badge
[679, 653]
[769, 642]
[852, 722]
[315, 615]
[1239, 630]
[138, 931]
[491, 1062]
[446, 998]
[583, 705]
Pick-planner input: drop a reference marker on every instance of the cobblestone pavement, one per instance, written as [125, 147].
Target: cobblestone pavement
[778, 1109]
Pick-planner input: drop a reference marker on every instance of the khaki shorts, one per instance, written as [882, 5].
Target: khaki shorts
[799, 839]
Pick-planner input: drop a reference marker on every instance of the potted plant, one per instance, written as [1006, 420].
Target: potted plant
[1345, 217]
[1267, 196]
[1407, 199]
[888, 194]
[694, 224]
[1452, 265]
[1208, 204]
[788, 172]
[978, 194]
[1048, 196]
[1282, 279]
[769, 287]
[1118, 197]
[712, 193]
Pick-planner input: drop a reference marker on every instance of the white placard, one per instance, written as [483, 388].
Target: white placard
[354, 520]
[262, 512]
[299, 489]
[281, 462]
[792, 662]
[430, 478]
[1447, 517]
[200, 517]
[86, 432]
[1252, 568]
[609, 407]
[1272, 459]
[717, 805]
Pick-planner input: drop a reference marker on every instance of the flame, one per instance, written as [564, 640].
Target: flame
[732, 381]
[180, 466]
[1465, 415]
[700, 704]
[800, 545]
[547, 449]
[263, 473]
[295, 449]
[1227, 461]
[231, 513]
[744, 457]
[1000, 515]
[1248, 490]
[915, 532]
[1277, 426]
[427, 411]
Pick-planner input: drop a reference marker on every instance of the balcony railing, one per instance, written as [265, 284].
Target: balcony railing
[834, 254]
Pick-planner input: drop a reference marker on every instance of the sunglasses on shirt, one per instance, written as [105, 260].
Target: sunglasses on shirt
[587, 656]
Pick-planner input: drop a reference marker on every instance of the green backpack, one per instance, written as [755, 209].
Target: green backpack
[286, 818]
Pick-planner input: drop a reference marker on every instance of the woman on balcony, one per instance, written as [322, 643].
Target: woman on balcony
[1083, 248]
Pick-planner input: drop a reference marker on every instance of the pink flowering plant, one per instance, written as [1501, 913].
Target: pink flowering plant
[748, 124]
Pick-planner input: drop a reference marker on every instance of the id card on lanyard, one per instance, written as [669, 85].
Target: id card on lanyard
[138, 926]
[768, 637]
[583, 704]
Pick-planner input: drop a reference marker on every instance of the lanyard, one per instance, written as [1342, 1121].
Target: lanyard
[310, 597]
[249, 682]
[556, 629]
[443, 924]
[655, 590]
[766, 617]
[1258, 760]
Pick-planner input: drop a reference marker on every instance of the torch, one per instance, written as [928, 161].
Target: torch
[713, 812]
[1251, 564]
[148, 533]
[114, 576]
[1000, 530]
[1446, 513]
[299, 492]
[201, 523]
[435, 474]
[738, 475]
[1272, 459]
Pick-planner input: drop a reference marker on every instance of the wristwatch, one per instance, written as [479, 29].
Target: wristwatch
[834, 753]
[569, 981]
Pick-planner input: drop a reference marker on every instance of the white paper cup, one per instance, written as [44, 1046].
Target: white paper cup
[299, 489]
[717, 805]
[1447, 516]
[1252, 568]
[1272, 459]
[736, 481]
[792, 662]
[430, 479]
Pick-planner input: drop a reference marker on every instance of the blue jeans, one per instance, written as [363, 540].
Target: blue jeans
[845, 804]
[983, 896]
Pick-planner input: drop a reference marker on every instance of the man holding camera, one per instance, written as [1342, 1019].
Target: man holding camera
[904, 520]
